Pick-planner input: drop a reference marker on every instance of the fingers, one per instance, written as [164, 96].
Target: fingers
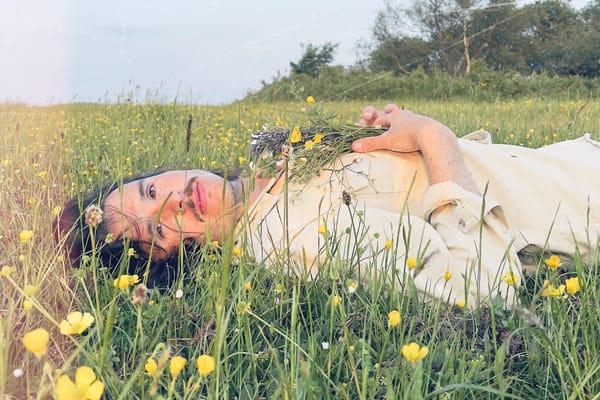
[372, 143]
[372, 116]
[391, 108]
[369, 114]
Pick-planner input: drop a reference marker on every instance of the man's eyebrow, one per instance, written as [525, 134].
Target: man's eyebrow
[141, 188]
[151, 232]
[152, 240]
[150, 229]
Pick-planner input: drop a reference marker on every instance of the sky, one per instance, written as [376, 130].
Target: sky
[195, 51]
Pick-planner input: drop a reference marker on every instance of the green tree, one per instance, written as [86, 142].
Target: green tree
[313, 59]
[552, 29]
[440, 23]
[495, 36]
[393, 51]
[586, 57]
[549, 36]
[400, 55]
[432, 34]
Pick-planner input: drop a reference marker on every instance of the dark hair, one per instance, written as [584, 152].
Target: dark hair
[74, 235]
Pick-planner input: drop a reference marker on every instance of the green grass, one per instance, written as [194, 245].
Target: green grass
[278, 337]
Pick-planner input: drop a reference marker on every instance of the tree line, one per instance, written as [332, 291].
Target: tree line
[442, 48]
[448, 35]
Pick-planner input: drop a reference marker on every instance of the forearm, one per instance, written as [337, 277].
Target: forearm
[442, 157]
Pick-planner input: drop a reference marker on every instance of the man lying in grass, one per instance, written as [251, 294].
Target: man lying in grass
[428, 205]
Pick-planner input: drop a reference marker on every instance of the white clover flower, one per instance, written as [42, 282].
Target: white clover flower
[325, 345]
[93, 215]
[352, 286]
[179, 294]
[140, 294]
[286, 150]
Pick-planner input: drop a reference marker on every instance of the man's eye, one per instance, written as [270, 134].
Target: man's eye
[152, 192]
[159, 229]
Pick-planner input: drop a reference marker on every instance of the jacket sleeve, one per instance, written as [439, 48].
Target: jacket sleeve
[476, 235]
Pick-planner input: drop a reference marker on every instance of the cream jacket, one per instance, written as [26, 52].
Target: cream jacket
[377, 214]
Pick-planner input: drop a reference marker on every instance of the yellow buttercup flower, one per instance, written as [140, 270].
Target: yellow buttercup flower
[176, 365]
[7, 270]
[394, 318]
[388, 244]
[36, 342]
[317, 138]
[244, 307]
[85, 387]
[310, 100]
[206, 365]
[25, 236]
[295, 135]
[309, 144]
[279, 288]
[248, 286]
[461, 303]
[31, 290]
[510, 278]
[27, 305]
[413, 352]
[124, 281]
[237, 251]
[336, 300]
[411, 262]
[553, 262]
[549, 290]
[76, 323]
[447, 276]
[150, 367]
[322, 229]
[572, 285]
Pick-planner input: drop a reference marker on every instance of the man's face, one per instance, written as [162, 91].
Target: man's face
[172, 207]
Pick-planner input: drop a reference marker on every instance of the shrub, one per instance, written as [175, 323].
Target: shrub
[483, 84]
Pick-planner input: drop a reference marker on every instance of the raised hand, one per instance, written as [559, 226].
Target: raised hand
[406, 132]
[409, 132]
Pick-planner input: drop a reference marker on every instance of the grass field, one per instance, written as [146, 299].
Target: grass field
[270, 336]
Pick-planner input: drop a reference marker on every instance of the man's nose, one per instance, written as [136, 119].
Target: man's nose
[175, 201]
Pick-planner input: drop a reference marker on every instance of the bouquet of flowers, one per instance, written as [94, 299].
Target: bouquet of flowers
[306, 149]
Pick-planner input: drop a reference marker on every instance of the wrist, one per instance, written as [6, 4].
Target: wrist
[434, 137]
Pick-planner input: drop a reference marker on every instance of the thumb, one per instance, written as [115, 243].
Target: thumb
[373, 143]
